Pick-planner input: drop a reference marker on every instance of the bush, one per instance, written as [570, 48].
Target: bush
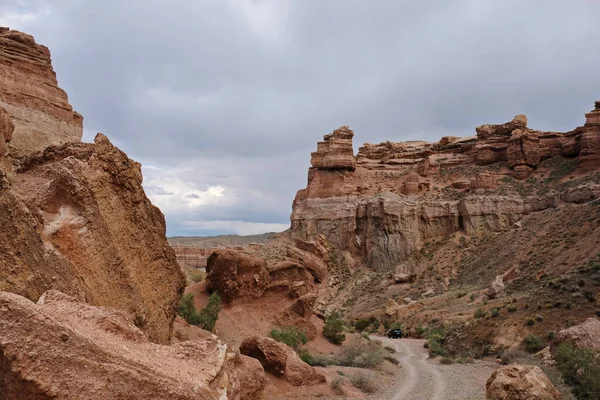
[186, 307]
[207, 317]
[196, 276]
[480, 313]
[420, 331]
[580, 369]
[512, 308]
[361, 354]
[314, 360]
[529, 321]
[533, 343]
[362, 324]
[334, 328]
[291, 336]
[495, 312]
[436, 348]
[336, 385]
[551, 336]
[364, 383]
[447, 360]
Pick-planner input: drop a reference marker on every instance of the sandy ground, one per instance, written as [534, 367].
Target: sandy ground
[422, 378]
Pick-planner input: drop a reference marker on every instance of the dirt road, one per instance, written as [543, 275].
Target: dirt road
[425, 379]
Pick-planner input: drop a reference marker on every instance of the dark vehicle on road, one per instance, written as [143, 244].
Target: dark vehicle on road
[395, 333]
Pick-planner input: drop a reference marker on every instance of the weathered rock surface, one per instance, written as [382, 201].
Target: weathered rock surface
[29, 92]
[585, 335]
[299, 314]
[496, 288]
[517, 382]
[7, 127]
[77, 219]
[281, 360]
[335, 151]
[401, 195]
[236, 275]
[62, 348]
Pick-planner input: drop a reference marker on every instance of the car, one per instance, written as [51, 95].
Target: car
[395, 333]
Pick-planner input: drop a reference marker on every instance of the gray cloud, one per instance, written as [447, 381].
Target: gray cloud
[234, 94]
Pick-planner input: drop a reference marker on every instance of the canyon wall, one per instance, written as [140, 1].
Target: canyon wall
[75, 216]
[29, 92]
[385, 203]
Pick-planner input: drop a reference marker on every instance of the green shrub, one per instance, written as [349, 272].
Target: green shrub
[361, 353]
[512, 308]
[480, 313]
[186, 307]
[436, 348]
[362, 324]
[495, 312]
[436, 332]
[420, 331]
[314, 360]
[207, 317]
[196, 275]
[533, 343]
[580, 369]
[529, 321]
[551, 336]
[447, 360]
[291, 336]
[364, 383]
[336, 385]
[334, 328]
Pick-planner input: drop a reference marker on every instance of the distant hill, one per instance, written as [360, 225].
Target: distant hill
[223, 240]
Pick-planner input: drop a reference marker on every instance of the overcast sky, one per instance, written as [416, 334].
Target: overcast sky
[222, 101]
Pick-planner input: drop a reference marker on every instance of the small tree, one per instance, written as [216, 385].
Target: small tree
[186, 307]
[334, 328]
[207, 317]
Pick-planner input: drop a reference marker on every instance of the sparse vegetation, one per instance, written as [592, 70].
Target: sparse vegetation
[580, 369]
[480, 313]
[533, 343]
[362, 354]
[291, 336]
[529, 321]
[207, 317]
[364, 383]
[336, 385]
[494, 312]
[334, 328]
[196, 276]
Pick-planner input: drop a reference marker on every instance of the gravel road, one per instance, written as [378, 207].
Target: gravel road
[425, 379]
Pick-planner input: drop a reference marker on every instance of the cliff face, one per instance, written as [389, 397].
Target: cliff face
[29, 92]
[384, 204]
[75, 216]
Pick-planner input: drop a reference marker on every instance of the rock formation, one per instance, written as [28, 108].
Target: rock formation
[79, 221]
[517, 382]
[384, 204]
[75, 216]
[281, 360]
[585, 335]
[62, 348]
[29, 92]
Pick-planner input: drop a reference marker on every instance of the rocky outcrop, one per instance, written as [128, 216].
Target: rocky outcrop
[585, 335]
[77, 220]
[281, 360]
[517, 382]
[299, 314]
[236, 275]
[335, 152]
[29, 92]
[7, 127]
[62, 348]
[401, 195]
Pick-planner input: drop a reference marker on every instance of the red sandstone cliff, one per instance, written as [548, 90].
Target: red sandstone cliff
[75, 216]
[385, 203]
[29, 92]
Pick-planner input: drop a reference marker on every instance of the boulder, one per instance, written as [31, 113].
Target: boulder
[65, 349]
[584, 335]
[404, 277]
[496, 288]
[391, 307]
[407, 300]
[281, 360]
[234, 274]
[518, 382]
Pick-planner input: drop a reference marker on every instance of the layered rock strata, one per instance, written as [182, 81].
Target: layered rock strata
[29, 92]
[397, 197]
